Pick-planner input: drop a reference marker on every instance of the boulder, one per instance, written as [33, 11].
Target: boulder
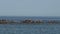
[28, 21]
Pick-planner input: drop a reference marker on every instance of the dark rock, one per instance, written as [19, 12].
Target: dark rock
[27, 21]
[3, 21]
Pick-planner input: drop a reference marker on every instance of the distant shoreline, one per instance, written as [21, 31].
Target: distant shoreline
[29, 21]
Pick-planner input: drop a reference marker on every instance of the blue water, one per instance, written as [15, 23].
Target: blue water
[29, 28]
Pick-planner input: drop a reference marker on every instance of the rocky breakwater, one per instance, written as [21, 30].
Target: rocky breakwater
[30, 21]
[27, 21]
[39, 22]
[54, 21]
[3, 21]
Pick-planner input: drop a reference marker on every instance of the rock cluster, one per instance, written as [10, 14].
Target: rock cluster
[3, 21]
[54, 22]
[28, 21]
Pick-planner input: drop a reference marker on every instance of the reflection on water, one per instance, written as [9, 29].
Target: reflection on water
[29, 29]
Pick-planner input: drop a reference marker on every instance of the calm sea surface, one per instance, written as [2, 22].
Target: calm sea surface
[28, 28]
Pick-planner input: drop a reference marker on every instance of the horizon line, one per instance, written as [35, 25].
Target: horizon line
[29, 16]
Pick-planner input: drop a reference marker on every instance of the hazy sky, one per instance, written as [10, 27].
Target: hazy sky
[29, 7]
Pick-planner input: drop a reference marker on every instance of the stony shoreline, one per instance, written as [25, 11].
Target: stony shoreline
[28, 21]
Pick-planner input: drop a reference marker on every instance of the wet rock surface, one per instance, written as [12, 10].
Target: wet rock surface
[54, 22]
[3, 21]
[32, 21]
[29, 21]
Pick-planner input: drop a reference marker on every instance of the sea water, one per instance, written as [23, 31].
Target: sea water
[28, 28]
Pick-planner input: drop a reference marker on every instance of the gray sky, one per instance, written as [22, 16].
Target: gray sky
[29, 7]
